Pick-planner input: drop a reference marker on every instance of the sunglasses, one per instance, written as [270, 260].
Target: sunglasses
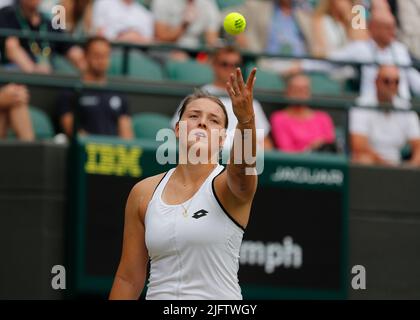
[389, 81]
[225, 64]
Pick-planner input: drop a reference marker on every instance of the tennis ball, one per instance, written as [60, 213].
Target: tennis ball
[234, 23]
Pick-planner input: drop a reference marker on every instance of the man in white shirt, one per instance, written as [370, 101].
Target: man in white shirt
[382, 48]
[224, 61]
[377, 137]
[123, 20]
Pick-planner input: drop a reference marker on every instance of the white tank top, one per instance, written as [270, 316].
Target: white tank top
[194, 256]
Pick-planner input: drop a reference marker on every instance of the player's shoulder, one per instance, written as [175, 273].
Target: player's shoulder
[142, 193]
[148, 185]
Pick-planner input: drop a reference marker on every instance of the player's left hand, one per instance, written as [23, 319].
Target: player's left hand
[241, 95]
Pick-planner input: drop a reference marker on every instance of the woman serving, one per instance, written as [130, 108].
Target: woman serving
[190, 220]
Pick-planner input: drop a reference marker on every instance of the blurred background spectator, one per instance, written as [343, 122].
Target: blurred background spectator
[332, 27]
[381, 48]
[78, 17]
[377, 137]
[123, 20]
[46, 7]
[14, 113]
[294, 27]
[6, 3]
[31, 55]
[276, 26]
[99, 112]
[409, 22]
[224, 62]
[188, 23]
[298, 128]
[381, 6]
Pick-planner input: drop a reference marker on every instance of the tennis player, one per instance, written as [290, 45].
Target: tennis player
[190, 220]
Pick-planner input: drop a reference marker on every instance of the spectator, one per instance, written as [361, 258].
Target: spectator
[224, 62]
[123, 20]
[382, 48]
[46, 7]
[409, 13]
[31, 55]
[298, 128]
[6, 3]
[377, 137]
[78, 17]
[276, 26]
[14, 112]
[185, 22]
[332, 27]
[381, 6]
[99, 112]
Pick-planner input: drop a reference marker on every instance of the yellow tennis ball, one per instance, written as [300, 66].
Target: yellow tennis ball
[234, 23]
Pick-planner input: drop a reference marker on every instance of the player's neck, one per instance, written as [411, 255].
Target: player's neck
[191, 173]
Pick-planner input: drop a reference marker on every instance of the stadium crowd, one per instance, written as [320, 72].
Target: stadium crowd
[384, 37]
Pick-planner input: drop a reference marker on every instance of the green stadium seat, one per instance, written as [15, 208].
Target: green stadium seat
[144, 3]
[223, 4]
[147, 124]
[115, 67]
[140, 66]
[41, 124]
[266, 80]
[62, 65]
[189, 71]
[322, 84]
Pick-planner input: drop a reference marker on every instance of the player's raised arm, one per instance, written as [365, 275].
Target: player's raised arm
[241, 173]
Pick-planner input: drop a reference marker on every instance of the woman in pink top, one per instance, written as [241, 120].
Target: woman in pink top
[299, 128]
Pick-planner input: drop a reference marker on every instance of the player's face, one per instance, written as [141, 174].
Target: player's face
[205, 125]
[225, 64]
[98, 57]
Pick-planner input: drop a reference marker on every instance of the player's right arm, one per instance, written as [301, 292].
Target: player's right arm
[131, 273]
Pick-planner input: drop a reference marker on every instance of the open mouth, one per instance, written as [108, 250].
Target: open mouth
[200, 135]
